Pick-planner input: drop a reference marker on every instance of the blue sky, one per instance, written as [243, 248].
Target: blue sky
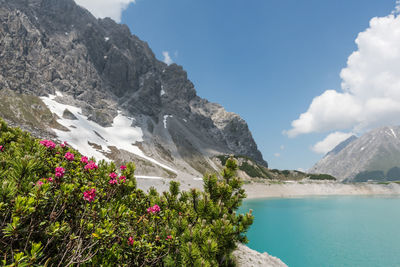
[265, 60]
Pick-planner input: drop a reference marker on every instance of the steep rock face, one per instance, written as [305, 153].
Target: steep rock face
[373, 156]
[50, 46]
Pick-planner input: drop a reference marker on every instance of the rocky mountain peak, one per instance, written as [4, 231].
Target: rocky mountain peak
[57, 48]
[369, 157]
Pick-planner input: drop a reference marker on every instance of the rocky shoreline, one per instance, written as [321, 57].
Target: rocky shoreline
[246, 257]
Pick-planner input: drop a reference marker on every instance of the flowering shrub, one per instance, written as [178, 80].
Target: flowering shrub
[91, 166]
[69, 156]
[59, 172]
[84, 160]
[78, 217]
[48, 143]
[154, 209]
[89, 195]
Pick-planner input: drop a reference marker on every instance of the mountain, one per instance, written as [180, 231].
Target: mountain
[341, 146]
[373, 156]
[66, 75]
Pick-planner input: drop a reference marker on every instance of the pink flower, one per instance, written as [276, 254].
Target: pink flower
[90, 166]
[113, 181]
[89, 195]
[50, 179]
[84, 160]
[122, 179]
[130, 240]
[48, 143]
[39, 183]
[154, 209]
[123, 167]
[169, 237]
[69, 156]
[113, 175]
[1, 148]
[62, 145]
[60, 171]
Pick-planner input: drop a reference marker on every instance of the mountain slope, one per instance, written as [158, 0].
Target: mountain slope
[373, 156]
[56, 50]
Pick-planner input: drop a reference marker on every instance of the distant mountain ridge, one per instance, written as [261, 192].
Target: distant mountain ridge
[373, 156]
[57, 48]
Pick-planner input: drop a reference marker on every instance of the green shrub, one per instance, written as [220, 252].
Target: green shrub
[321, 177]
[59, 209]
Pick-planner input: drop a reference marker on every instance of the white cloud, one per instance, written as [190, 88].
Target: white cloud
[277, 155]
[167, 59]
[106, 8]
[370, 94]
[330, 142]
[282, 147]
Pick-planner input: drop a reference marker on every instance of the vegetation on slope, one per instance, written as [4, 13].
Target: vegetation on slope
[254, 170]
[392, 174]
[59, 208]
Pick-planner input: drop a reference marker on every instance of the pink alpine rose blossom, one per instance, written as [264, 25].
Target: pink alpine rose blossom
[39, 183]
[59, 172]
[154, 209]
[89, 195]
[113, 181]
[130, 240]
[48, 143]
[122, 179]
[84, 160]
[113, 175]
[69, 156]
[123, 167]
[169, 237]
[1, 148]
[90, 166]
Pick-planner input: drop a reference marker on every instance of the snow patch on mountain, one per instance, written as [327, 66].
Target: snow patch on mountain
[165, 120]
[83, 132]
[394, 134]
[162, 92]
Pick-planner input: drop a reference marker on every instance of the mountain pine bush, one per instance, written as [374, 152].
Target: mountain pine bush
[59, 208]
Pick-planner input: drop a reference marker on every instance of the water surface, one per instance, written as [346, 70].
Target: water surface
[327, 231]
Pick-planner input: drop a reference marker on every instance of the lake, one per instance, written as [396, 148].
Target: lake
[327, 231]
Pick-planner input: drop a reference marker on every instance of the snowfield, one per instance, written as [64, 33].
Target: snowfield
[121, 134]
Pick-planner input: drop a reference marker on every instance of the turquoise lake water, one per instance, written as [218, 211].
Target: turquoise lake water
[327, 231]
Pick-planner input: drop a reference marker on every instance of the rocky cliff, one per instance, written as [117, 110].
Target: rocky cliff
[55, 54]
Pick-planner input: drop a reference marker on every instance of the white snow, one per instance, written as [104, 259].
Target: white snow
[162, 92]
[394, 134]
[106, 38]
[184, 120]
[105, 57]
[58, 93]
[198, 179]
[165, 120]
[362, 148]
[81, 131]
[66, 33]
